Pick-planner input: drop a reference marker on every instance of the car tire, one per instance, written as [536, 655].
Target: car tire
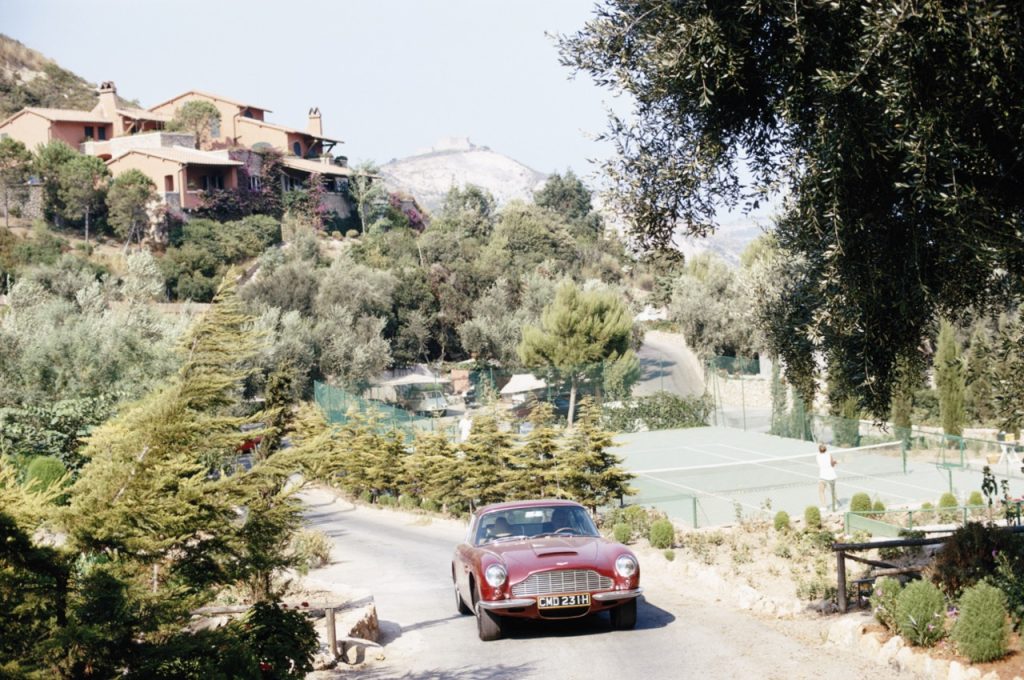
[460, 604]
[623, 617]
[488, 624]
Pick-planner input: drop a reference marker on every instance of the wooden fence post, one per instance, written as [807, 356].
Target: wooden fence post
[841, 580]
[332, 633]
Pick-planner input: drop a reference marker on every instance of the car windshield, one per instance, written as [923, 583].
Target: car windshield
[520, 523]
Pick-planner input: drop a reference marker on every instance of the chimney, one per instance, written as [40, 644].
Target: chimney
[108, 99]
[315, 127]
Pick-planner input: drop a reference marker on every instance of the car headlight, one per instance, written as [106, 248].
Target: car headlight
[495, 575]
[625, 566]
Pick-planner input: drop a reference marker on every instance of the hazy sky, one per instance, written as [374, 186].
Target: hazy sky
[389, 76]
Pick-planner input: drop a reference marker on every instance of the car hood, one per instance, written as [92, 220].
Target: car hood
[527, 556]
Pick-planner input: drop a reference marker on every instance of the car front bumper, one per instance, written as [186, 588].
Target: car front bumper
[525, 602]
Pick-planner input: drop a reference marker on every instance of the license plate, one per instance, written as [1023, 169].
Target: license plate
[558, 601]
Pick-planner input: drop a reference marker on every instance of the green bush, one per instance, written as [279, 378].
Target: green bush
[662, 534]
[975, 498]
[883, 601]
[43, 472]
[970, 555]
[352, 233]
[430, 505]
[947, 505]
[312, 549]
[407, 502]
[812, 517]
[1009, 578]
[861, 502]
[782, 521]
[921, 614]
[670, 555]
[878, 506]
[927, 513]
[622, 532]
[386, 501]
[982, 632]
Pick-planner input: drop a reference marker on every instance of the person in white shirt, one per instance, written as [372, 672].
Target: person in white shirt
[826, 475]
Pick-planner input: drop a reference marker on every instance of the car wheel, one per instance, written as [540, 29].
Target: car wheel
[460, 604]
[623, 617]
[488, 624]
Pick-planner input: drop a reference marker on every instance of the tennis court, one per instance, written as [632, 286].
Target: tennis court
[702, 476]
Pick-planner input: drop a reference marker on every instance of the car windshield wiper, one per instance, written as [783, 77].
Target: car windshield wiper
[503, 539]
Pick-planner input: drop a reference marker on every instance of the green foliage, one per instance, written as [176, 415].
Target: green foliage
[48, 163]
[44, 471]
[781, 521]
[662, 534]
[1009, 578]
[577, 330]
[975, 498]
[921, 614]
[312, 549]
[128, 201]
[704, 303]
[947, 507]
[199, 117]
[658, 411]
[204, 249]
[812, 517]
[587, 471]
[82, 188]
[284, 641]
[970, 555]
[15, 162]
[765, 82]
[950, 380]
[567, 196]
[860, 502]
[622, 532]
[878, 506]
[981, 632]
[670, 555]
[884, 597]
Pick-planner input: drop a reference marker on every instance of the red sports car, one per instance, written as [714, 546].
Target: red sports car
[542, 559]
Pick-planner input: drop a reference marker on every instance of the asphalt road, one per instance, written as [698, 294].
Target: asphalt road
[405, 562]
[668, 365]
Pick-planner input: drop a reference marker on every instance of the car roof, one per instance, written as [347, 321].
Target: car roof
[511, 505]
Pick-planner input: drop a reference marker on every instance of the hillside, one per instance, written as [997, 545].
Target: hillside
[429, 174]
[28, 78]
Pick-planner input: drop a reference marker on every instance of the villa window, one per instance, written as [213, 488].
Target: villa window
[102, 132]
[89, 132]
[212, 182]
[247, 113]
[297, 148]
[255, 182]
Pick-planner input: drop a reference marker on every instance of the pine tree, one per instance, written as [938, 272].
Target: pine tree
[537, 458]
[949, 378]
[587, 472]
[487, 453]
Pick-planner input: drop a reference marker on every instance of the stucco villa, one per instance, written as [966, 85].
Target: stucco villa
[129, 138]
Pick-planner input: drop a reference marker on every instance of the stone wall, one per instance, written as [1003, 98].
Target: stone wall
[23, 200]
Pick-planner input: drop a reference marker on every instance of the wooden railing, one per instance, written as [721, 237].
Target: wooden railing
[883, 568]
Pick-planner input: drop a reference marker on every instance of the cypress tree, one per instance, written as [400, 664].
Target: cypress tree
[903, 398]
[949, 378]
[980, 394]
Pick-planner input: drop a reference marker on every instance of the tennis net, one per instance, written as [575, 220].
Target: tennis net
[875, 460]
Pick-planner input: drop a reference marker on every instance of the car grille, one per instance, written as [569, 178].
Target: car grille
[564, 581]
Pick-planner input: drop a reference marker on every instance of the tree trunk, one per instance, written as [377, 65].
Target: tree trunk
[7, 210]
[572, 402]
[86, 226]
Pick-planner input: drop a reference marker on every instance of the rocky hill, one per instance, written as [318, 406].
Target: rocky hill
[430, 173]
[28, 78]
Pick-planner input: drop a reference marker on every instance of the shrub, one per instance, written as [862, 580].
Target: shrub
[670, 555]
[43, 472]
[407, 502]
[386, 501]
[662, 534]
[430, 505]
[782, 521]
[921, 614]
[622, 532]
[336, 235]
[982, 632]
[812, 517]
[969, 555]
[283, 639]
[312, 549]
[947, 505]
[927, 513]
[1009, 578]
[861, 502]
[883, 601]
[351, 233]
[878, 506]
[975, 498]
